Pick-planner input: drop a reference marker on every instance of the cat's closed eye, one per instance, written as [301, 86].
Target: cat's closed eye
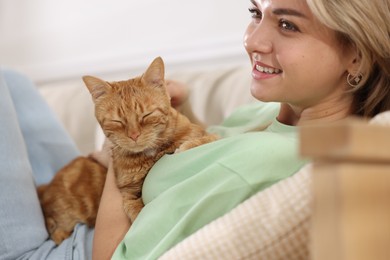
[113, 124]
[152, 117]
[117, 122]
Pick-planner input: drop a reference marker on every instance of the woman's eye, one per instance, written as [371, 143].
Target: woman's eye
[256, 14]
[288, 26]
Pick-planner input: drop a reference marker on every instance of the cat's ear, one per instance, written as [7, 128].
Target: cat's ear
[154, 75]
[96, 86]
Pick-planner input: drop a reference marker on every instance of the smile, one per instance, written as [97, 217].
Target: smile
[267, 70]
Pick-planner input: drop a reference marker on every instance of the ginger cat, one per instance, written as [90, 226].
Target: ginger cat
[72, 197]
[137, 117]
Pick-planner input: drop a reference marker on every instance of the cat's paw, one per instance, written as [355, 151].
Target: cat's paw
[59, 235]
[186, 146]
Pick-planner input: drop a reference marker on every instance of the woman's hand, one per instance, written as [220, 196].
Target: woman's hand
[178, 92]
[103, 156]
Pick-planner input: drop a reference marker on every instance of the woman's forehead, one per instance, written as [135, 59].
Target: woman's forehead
[272, 4]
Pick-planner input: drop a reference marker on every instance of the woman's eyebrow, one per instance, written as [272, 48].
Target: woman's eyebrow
[283, 11]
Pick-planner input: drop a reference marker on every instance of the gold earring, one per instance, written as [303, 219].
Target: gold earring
[354, 80]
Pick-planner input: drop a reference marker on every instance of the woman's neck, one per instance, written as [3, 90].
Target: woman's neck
[291, 115]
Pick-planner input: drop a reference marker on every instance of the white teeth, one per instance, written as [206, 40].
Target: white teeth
[267, 70]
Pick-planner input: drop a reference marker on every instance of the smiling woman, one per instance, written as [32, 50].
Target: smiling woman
[318, 61]
[304, 39]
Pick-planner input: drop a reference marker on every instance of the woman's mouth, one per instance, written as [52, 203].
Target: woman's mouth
[261, 71]
[267, 70]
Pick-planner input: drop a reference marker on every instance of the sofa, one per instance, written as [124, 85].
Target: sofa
[292, 219]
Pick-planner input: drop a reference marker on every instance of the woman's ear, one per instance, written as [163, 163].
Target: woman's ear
[354, 66]
[356, 73]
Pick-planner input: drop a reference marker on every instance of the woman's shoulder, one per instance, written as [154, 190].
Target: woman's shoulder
[246, 118]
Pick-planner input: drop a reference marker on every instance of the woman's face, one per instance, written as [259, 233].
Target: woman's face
[296, 59]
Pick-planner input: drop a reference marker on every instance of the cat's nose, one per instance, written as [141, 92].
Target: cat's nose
[134, 135]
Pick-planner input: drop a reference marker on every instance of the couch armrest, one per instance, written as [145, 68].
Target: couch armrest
[351, 185]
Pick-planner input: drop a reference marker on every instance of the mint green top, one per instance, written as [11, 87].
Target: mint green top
[185, 191]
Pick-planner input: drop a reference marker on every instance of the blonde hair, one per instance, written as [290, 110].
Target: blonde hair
[365, 25]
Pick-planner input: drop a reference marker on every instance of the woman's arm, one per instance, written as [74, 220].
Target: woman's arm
[112, 223]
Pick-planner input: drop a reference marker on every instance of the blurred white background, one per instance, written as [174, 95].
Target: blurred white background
[52, 40]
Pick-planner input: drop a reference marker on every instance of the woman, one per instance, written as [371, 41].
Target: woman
[321, 61]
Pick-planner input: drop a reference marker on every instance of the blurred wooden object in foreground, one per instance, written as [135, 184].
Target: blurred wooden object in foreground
[351, 187]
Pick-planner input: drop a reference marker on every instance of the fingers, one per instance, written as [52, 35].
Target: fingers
[178, 92]
[103, 156]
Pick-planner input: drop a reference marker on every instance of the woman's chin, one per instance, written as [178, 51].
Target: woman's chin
[258, 93]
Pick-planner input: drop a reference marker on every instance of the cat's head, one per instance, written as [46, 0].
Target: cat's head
[133, 114]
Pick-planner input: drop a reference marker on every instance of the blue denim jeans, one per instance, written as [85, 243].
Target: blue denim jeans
[33, 146]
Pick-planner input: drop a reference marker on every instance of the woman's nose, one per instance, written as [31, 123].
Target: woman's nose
[258, 38]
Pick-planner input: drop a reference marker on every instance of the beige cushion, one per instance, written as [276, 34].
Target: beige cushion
[381, 119]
